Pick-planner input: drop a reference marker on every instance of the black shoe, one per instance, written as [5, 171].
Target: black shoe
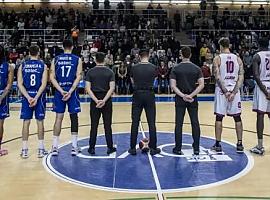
[132, 151]
[145, 150]
[155, 151]
[111, 150]
[196, 152]
[216, 148]
[239, 148]
[177, 152]
[91, 151]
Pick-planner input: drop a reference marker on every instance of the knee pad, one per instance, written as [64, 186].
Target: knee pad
[219, 118]
[237, 118]
[74, 122]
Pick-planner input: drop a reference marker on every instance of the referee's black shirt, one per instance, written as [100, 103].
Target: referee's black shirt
[186, 75]
[100, 78]
[143, 75]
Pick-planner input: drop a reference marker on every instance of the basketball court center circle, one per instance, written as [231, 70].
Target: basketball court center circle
[122, 172]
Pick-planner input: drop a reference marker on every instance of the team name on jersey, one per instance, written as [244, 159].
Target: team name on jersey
[64, 62]
[230, 77]
[65, 58]
[32, 68]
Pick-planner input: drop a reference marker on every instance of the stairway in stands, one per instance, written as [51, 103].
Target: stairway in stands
[184, 38]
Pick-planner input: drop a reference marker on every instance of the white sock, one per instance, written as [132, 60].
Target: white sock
[55, 141]
[74, 139]
[24, 144]
[41, 144]
[260, 143]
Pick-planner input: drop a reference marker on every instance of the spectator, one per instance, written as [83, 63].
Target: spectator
[134, 51]
[120, 6]
[55, 50]
[85, 53]
[163, 73]
[109, 59]
[41, 45]
[97, 44]
[95, 4]
[107, 5]
[207, 76]
[75, 35]
[21, 24]
[13, 56]
[122, 79]
[177, 21]
[203, 6]
[203, 53]
[261, 10]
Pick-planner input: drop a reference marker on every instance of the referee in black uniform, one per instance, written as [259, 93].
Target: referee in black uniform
[142, 76]
[184, 78]
[100, 84]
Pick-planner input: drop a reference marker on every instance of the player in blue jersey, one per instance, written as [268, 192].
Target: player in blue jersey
[6, 80]
[32, 81]
[65, 75]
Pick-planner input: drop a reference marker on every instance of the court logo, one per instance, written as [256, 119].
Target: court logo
[165, 172]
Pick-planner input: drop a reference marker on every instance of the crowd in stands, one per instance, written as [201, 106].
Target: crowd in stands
[242, 26]
[122, 47]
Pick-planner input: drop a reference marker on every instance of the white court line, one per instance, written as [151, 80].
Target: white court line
[154, 171]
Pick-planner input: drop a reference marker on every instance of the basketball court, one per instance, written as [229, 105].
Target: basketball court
[122, 176]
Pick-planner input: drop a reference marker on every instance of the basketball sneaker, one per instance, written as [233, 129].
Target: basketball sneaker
[24, 153]
[155, 151]
[239, 148]
[111, 150]
[75, 151]
[55, 151]
[257, 150]
[42, 153]
[216, 148]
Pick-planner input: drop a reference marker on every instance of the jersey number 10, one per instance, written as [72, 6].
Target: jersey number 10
[65, 71]
[230, 66]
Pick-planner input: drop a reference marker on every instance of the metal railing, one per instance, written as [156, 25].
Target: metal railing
[47, 35]
[251, 36]
[91, 34]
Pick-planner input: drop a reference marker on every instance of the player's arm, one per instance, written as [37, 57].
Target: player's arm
[78, 77]
[256, 73]
[198, 88]
[90, 92]
[240, 80]
[21, 86]
[220, 83]
[53, 79]
[43, 84]
[175, 88]
[110, 92]
[9, 83]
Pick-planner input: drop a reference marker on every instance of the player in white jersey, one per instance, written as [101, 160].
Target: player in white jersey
[261, 99]
[229, 74]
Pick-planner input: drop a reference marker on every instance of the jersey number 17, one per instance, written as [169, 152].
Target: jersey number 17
[65, 70]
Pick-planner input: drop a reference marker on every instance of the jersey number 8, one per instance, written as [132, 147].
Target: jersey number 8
[33, 80]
